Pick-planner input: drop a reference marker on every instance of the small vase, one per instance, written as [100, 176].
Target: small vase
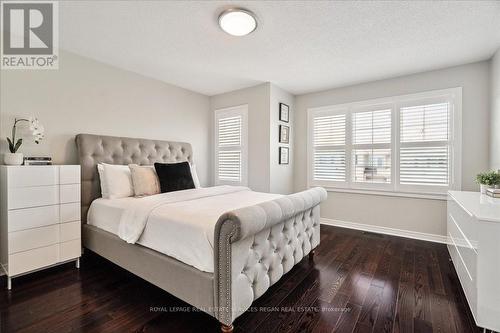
[13, 158]
[484, 187]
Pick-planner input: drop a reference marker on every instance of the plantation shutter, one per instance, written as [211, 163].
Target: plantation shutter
[371, 146]
[408, 144]
[230, 145]
[329, 156]
[424, 157]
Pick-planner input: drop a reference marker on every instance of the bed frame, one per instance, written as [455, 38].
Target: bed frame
[253, 246]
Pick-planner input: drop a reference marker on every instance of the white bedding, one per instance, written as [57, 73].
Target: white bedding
[179, 224]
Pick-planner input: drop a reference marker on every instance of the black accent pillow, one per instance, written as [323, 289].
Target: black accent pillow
[174, 176]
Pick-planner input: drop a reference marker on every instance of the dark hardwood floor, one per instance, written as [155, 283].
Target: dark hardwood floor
[359, 282]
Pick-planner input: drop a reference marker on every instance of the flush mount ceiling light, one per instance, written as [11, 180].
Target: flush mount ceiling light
[237, 21]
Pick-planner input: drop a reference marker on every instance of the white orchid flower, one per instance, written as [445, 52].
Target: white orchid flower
[37, 129]
[33, 123]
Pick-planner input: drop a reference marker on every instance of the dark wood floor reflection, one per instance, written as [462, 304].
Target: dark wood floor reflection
[359, 282]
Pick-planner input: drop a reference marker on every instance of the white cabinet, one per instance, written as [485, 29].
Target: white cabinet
[474, 245]
[40, 217]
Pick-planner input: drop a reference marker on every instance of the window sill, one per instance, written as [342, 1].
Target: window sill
[429, 196]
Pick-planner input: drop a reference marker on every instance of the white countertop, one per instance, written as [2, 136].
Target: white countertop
[478, 205]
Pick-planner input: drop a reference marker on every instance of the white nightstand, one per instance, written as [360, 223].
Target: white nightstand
[40, 217]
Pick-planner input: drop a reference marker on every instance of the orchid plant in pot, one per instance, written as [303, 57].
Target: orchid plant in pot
[37, 131]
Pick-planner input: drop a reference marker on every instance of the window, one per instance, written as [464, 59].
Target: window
[371, 146]
[329, 143]
[405, 144]
[231, 145]
[424, 149]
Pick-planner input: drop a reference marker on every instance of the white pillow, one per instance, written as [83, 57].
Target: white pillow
[117, 181]
[194, 175]
[104, 188]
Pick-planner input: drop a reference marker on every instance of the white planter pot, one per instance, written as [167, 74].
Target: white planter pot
[484, 188]
[13, 158]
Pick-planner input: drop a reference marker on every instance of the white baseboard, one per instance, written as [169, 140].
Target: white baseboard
[386, 230]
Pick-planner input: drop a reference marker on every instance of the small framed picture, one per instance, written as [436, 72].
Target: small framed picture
[284, 112]
[284, 155]
[284, 134]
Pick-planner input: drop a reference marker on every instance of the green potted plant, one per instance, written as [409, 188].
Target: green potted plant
[37, 131]
[487, 180]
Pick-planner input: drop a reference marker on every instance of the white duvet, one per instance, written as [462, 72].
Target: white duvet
[180, 224]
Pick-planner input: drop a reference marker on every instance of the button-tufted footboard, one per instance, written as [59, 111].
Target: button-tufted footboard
[256, 245]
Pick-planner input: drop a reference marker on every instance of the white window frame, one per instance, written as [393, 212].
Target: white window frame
[365, 108]
[324, 111]
[452, 95]
[239, 110]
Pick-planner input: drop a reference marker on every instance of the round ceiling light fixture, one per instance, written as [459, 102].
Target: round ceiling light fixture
[237, 21]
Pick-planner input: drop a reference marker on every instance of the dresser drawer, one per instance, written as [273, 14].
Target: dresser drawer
[467, 251]
[70, 231]
[26, 261]
[69, 174]
[465, 222]
[70, 193]
[23, 176]
[70, 212]
[33, 238]
[70, 250]
[25, 197]
[468, 284]
[21, 219]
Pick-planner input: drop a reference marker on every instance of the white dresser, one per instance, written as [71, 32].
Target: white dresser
[474, 246]
[40, 217]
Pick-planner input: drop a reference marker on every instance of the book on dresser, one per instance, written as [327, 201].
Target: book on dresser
[40, 217]
[38, 160]
[493, 192]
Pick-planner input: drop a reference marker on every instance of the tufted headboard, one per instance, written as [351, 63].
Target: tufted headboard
[93, 149]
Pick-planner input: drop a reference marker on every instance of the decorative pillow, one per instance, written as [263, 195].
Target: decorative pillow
[104, 189]
[194, 174]
[144, 180]
[117, 181]
[174, 176]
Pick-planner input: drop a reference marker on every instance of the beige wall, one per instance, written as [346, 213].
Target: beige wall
[264, 172]
[495, 112]
[89, 96]
[281, 175]
[420, 215]
[85, 96]
[257, 98]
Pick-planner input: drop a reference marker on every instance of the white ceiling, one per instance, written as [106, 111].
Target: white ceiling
[301, 46]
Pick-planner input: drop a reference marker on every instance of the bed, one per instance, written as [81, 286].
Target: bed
[235, 243]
